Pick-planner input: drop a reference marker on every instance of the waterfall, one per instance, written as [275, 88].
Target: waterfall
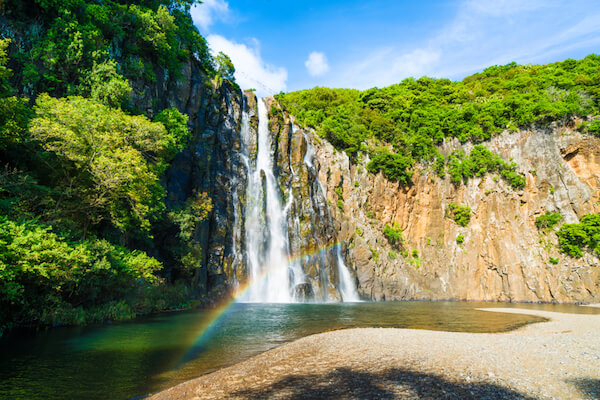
[346, 287]
[274, 278]
[266, 225]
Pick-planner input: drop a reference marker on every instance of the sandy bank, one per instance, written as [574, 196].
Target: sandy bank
[555, 359]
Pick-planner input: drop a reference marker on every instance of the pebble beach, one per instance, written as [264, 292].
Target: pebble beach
[557, 359]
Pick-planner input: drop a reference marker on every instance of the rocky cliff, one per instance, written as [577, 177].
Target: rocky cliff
[217, 162]
[332, 202]
[211, 163]
[504, 257]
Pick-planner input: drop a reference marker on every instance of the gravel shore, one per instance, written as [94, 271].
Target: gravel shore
[559, 359]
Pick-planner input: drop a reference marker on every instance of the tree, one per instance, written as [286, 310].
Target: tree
[177, 129]
[224, 66]
[108, 161]
[106, 85]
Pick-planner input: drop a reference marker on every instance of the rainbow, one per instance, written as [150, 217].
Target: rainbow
[215, 314]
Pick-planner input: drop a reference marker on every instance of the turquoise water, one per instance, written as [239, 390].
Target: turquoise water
[123, 361]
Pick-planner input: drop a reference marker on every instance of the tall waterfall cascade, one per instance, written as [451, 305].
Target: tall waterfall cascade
[273, 274]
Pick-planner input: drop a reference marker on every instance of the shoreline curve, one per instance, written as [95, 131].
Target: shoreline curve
[559, 358]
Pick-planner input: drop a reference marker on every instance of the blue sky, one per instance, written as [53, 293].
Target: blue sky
[285, 46]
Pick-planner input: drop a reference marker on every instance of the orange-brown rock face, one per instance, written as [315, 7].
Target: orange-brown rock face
[503, 256]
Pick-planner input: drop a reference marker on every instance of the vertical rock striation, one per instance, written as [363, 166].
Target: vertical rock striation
[330, 202]
[504, 256]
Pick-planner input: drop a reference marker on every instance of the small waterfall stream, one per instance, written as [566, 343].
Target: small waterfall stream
[273, 275]
[346, 287]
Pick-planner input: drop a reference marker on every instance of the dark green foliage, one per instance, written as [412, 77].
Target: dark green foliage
[5, 73]
[68, 43]
[548, 220]
[573, 239]
[417, 114]
[14, 112]
[553, 261]
[86, 167]
[460, 239]
[393, 234]
[395, 166]
[480, 162]
[187, 219]
[460, 214]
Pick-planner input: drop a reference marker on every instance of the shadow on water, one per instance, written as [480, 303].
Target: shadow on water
[393, 383]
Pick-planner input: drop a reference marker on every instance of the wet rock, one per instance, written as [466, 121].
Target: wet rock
[304, 292]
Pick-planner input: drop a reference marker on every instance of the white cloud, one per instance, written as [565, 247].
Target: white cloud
[251, 71]
[480, 33]
[385, 66]
[316, 64]
[208, 11]
[499, 8]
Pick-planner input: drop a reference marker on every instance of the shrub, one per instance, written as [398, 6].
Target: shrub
[460, 239]
[480, 162]
[374, 254]
[393, 234]
[45, 277]
[594, 127]
[553, 261]
[548, 220]
[395, 166]
[573, 239]
[460, 214]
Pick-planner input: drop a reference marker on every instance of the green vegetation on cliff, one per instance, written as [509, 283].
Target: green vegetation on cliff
[548, 220]
[81, 198]
[573, 239]
[461, 215]
[393, 234]
[416, 115]
[479, 162]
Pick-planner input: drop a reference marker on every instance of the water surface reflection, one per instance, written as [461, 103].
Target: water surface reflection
[121, 361]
